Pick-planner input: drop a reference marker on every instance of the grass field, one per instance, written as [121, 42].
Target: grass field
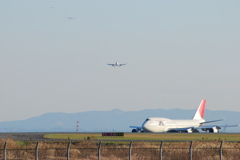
[144, 136]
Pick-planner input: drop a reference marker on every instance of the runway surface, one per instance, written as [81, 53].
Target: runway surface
[23, 136]
[35, 136]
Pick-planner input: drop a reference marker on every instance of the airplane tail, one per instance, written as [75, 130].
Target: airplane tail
[200, 111]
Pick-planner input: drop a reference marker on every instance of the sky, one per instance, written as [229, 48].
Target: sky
[177, 53]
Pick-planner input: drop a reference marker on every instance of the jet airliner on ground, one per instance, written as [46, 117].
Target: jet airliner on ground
[116, 64]
[157, 124]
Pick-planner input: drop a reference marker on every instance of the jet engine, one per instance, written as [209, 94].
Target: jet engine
[212, 130]
[191, 130]
[137, 130]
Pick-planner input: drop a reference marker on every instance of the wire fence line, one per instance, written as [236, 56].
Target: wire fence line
[103, 150]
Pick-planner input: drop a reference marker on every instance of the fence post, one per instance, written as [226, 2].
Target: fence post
[161, 150]
[221, 150]
[5, 151]
[130, 151]
[190, 150]
[99, 150]
[68, 150]
[36, 151]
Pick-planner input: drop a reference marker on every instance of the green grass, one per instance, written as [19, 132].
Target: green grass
[144, 136]
[22, 143]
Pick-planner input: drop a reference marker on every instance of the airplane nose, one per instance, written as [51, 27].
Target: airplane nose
[146, 127]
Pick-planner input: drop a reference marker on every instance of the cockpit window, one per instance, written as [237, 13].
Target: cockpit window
[148, 119]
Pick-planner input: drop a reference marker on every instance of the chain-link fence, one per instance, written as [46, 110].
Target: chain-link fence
[124, 150]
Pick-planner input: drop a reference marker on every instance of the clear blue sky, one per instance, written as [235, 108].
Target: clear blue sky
[177, 53]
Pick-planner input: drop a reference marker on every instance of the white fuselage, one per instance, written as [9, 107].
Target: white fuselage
[163, 124]
[117, 64]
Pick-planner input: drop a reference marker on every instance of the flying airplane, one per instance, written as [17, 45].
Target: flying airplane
[116, 64]
[70, 17]
[157, 124]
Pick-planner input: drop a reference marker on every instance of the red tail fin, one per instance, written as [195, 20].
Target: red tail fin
[200, 111]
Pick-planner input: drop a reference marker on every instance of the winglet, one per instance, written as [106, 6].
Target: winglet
[200, 111]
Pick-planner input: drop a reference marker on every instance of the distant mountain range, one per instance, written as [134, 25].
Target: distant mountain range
[107, 121]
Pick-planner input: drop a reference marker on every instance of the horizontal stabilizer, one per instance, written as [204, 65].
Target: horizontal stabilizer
[212, 121]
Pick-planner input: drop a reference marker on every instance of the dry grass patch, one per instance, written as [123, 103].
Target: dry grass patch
[88, 150]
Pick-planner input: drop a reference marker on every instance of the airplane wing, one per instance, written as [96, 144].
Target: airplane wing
[122, 64]
[111, 64]
[137, 127]
[210, 128]
[217, 126]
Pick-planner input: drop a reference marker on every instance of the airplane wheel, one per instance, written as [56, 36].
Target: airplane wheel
[195, 131]
[134, 130]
